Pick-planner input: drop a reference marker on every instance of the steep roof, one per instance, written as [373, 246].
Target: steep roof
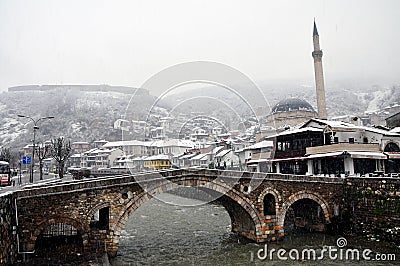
[315, 32]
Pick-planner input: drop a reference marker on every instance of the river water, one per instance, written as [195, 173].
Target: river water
[161, 233]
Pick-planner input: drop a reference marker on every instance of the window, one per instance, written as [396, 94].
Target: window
[351, 140]
[59, 229]
[336, 140]
[269, 205]
[365, 140]
[100, 219]
[392, 147]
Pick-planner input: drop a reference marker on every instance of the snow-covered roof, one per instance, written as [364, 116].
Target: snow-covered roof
[91, 151]
[173, 142]
[379, 131]
[139, 158]
[295, 131]
[188, 156]
[344, 125]
[261, 144]
[395, 130]
[223, 153]
[157, 157]
[123, 143]
[200, 156]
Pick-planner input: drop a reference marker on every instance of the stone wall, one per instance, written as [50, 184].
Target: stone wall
[8, 240]
[374, 207]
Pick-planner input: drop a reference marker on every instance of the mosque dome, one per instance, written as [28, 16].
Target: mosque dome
[292, 104]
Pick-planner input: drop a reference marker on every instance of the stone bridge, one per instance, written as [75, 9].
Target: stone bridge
[97, 209]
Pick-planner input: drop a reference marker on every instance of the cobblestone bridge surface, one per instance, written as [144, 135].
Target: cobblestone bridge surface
[98, 209]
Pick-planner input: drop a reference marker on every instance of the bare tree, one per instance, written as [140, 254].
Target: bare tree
[5, 154]
[42, 151]
[60, 151]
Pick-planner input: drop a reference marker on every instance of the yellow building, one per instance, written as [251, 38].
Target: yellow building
[157, 162]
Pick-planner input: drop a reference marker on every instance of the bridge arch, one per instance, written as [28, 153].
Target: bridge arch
[303, 195]
[69, 223]
[242, 204]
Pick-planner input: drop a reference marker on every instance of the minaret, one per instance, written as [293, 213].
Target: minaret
[319, 75]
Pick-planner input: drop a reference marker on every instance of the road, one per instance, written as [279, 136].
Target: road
[36, 180]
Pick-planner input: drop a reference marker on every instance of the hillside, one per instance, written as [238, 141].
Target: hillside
[79, 115]
[87, 113]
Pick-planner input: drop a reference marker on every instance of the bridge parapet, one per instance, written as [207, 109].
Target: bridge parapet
[121, 180]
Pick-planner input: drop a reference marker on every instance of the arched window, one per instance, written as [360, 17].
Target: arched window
[392, 147]
[269, 205]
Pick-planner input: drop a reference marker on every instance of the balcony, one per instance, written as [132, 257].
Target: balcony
[337, 147]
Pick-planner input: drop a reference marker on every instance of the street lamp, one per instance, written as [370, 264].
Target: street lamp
[35, 127]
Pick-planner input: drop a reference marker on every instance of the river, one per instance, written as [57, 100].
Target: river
[167, 234]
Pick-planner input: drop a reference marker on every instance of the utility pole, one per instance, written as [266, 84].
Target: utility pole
[35, 127]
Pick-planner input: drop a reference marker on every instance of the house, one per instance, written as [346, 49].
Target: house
[157, 162]
[200, 160]
[215, 131]
[335, 148]
[130, 147]
[75, 160]
[184, 160]
[135, 164]
[169, 146]
[79, 147]
[226, 159]
[256, 157]
[198, 134]
[99, 143]
[353, 150]
[101, 158]
[106, 158]
[157, 133]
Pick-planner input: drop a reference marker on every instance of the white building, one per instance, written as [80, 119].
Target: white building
[256, 157]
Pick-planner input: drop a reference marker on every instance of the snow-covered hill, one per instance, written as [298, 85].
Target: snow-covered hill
[87, 115]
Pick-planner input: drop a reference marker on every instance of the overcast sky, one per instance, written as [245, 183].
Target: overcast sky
[125, 42]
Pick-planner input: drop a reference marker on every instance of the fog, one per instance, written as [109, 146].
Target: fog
[126, 42]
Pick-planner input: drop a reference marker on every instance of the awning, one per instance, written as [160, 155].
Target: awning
[367, 155]
[257, 161]
[393, 155]
[353, 154]
[323, 155]
[289, 159]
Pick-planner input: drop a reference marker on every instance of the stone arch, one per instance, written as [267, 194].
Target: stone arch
[54, 220]
[391, 146]
[134, 203]
[49, 221]
[275, 193]
[303, 195]
[97, 207]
